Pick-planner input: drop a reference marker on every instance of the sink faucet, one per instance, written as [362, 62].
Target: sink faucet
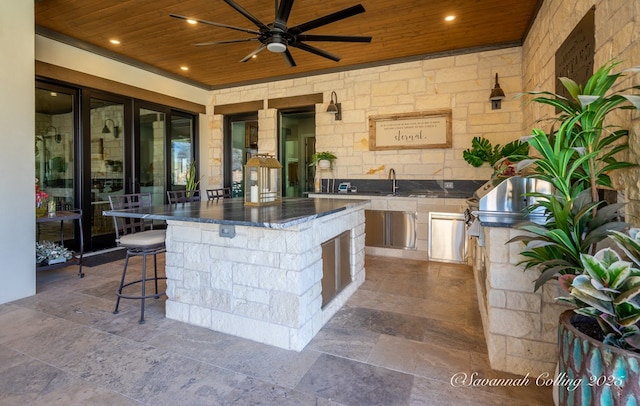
[394, 181]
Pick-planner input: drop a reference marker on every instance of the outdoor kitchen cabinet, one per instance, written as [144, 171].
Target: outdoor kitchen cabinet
[390, 229]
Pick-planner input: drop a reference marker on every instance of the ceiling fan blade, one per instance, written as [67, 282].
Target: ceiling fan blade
[336, 38]
[316, 51]
[328, 19]
[282, 15]
[231, 27]
[247, 14]
[287, 57]
[253, 53]
[231, 41]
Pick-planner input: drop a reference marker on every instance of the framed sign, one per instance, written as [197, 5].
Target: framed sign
[425, 129]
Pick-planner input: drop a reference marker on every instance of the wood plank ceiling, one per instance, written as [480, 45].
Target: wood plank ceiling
[402, 30]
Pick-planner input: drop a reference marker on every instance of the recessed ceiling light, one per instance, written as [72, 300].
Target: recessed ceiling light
[114, 41]
[185, 68]
[449, 18]
[190, 21]
[53, 94]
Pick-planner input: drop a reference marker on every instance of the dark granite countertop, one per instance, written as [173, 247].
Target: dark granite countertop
[422, 194]
[290, 212]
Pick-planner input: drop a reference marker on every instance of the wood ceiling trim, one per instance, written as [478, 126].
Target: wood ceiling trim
[47, 70]
[295, 101]
[238, 108]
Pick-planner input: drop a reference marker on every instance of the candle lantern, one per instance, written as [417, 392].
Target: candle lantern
[262, 174]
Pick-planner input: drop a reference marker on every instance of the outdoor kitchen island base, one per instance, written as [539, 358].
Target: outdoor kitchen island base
[256, 272]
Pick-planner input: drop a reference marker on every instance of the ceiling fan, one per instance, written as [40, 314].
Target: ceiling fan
[277, 37]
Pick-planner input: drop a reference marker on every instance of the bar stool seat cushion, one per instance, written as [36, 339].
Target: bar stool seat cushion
[144, 239]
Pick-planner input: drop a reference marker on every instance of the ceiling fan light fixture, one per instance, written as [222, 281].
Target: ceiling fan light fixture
[277, 47]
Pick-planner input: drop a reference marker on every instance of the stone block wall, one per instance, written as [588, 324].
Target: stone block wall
[520, 325]
[617, 36]
[264, 284]
[461, 83]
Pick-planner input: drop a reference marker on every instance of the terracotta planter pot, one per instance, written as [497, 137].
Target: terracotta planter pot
[607, 375]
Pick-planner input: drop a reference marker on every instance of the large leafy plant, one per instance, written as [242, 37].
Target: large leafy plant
[482, 151]
[609, 290]
[576, 157]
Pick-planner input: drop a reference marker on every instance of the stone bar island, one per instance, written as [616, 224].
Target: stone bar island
[262, 273]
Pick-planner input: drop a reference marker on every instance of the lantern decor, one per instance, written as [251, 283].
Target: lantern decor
[262, 174]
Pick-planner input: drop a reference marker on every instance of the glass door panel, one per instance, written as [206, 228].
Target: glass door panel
[150, 154]
[297, 144]
[107, 140]
[181, 151]
[241, 143]
[55, 161]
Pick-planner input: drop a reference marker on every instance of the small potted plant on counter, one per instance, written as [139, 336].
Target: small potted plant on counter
[323, 160]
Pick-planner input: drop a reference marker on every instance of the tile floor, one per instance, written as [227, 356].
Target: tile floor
[398, 341]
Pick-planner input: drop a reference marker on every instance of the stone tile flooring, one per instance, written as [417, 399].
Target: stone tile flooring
[398, 341]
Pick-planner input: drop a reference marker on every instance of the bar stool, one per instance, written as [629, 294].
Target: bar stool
[135, 235]
[183, 196]
[220, 193]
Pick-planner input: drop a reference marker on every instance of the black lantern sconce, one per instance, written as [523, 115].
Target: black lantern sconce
[335, 107]
[497, 94]
[116, 130]
[56, 135]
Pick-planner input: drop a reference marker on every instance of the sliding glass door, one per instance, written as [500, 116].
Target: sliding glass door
[297, 135]
[55, 154]
[107, 154]
[182, 147]
[240, 144]
[91, 144]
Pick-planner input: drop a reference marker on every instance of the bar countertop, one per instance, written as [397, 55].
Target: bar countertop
[289, 212]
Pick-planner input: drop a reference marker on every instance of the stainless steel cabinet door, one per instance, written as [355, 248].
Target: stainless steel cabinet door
[401, 229]
[374, 228]
[447, 237]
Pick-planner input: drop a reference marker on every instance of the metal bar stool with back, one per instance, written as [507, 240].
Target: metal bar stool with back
[140, 239]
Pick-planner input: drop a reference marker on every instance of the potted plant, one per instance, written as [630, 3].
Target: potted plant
[49, 253]
[600, 340]
[192, 182]
[323, 160]
[578, 157]
[498, 156]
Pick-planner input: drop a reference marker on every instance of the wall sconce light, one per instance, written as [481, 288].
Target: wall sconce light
[56, 135]
[497, 94]
[335, 107]
[116, 131]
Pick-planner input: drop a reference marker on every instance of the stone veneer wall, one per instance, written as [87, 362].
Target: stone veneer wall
[617, 36]
[461, 83]
[264, 284]
[520, 325]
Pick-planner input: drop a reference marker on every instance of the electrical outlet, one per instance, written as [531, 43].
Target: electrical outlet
[227, 231]
[448, 185]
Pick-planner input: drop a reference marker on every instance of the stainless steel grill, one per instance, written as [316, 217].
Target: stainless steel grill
[503, 200]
